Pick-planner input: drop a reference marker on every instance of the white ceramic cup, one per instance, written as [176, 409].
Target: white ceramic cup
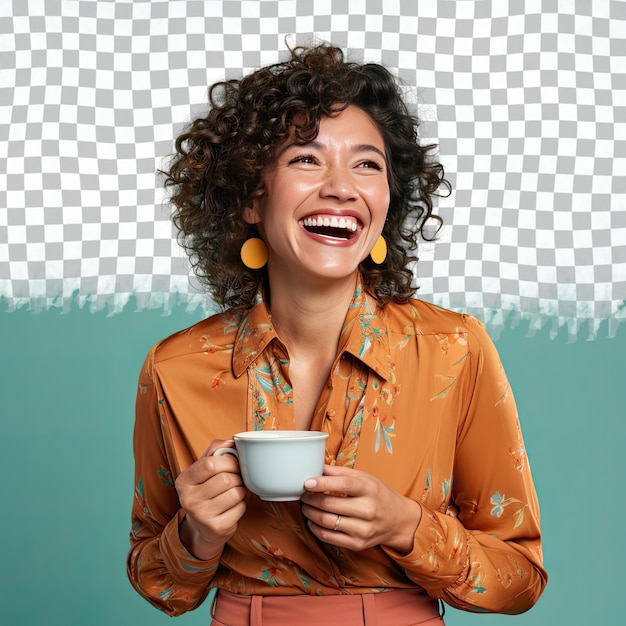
[275, 463]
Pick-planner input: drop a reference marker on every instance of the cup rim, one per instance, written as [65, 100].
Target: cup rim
[280, 435]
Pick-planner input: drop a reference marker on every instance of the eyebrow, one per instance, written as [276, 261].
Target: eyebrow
[361, 147]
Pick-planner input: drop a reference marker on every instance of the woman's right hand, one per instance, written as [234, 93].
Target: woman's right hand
[212, 493]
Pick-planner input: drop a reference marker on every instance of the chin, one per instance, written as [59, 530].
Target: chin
[336, 272]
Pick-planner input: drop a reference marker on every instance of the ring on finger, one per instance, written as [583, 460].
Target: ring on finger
[337, 523]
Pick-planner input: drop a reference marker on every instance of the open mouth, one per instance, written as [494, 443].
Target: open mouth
[335, 227]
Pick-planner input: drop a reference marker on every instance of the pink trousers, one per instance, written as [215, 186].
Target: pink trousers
[405, 607]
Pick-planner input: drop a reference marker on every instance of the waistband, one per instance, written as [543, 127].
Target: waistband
[404, 607]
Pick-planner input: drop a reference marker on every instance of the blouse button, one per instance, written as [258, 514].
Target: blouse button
[330, 413]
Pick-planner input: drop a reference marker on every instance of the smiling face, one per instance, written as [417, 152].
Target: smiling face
[325, 201]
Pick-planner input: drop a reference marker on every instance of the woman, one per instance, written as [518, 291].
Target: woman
[300, 198]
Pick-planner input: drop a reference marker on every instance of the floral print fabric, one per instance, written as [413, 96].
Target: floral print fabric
[417, 397]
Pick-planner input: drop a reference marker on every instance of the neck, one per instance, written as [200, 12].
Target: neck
[311, 316]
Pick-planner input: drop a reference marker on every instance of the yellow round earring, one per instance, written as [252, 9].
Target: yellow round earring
[379, 251]
[254, 253]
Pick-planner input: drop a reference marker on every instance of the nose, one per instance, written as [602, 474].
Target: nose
[338, 184]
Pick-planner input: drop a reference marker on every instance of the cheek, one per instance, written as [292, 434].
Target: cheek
[380, 198]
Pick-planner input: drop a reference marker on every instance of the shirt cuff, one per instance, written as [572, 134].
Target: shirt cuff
[439, 557]
[183, 566]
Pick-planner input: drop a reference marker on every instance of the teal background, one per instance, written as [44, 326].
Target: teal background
[67, 396]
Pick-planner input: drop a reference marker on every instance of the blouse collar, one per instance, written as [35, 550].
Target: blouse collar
[364, 334]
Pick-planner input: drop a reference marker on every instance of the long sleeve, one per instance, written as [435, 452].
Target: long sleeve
[158, 565]
[418, 399]
[488, 558]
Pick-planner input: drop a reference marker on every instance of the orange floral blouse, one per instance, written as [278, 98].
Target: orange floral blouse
[417, 397]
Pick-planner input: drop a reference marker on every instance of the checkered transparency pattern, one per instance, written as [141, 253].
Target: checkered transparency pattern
[527, 101]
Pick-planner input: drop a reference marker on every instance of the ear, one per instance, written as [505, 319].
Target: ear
[252, 214]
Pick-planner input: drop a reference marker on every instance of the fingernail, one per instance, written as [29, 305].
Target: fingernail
[310, 483]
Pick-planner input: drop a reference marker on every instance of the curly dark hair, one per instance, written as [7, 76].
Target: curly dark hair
[219, 162]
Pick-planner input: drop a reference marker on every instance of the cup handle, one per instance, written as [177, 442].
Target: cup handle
[221, 451]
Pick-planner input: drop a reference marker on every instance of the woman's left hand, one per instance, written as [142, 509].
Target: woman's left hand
[352, 509]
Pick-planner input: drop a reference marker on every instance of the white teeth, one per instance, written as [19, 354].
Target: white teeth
[346, 223]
